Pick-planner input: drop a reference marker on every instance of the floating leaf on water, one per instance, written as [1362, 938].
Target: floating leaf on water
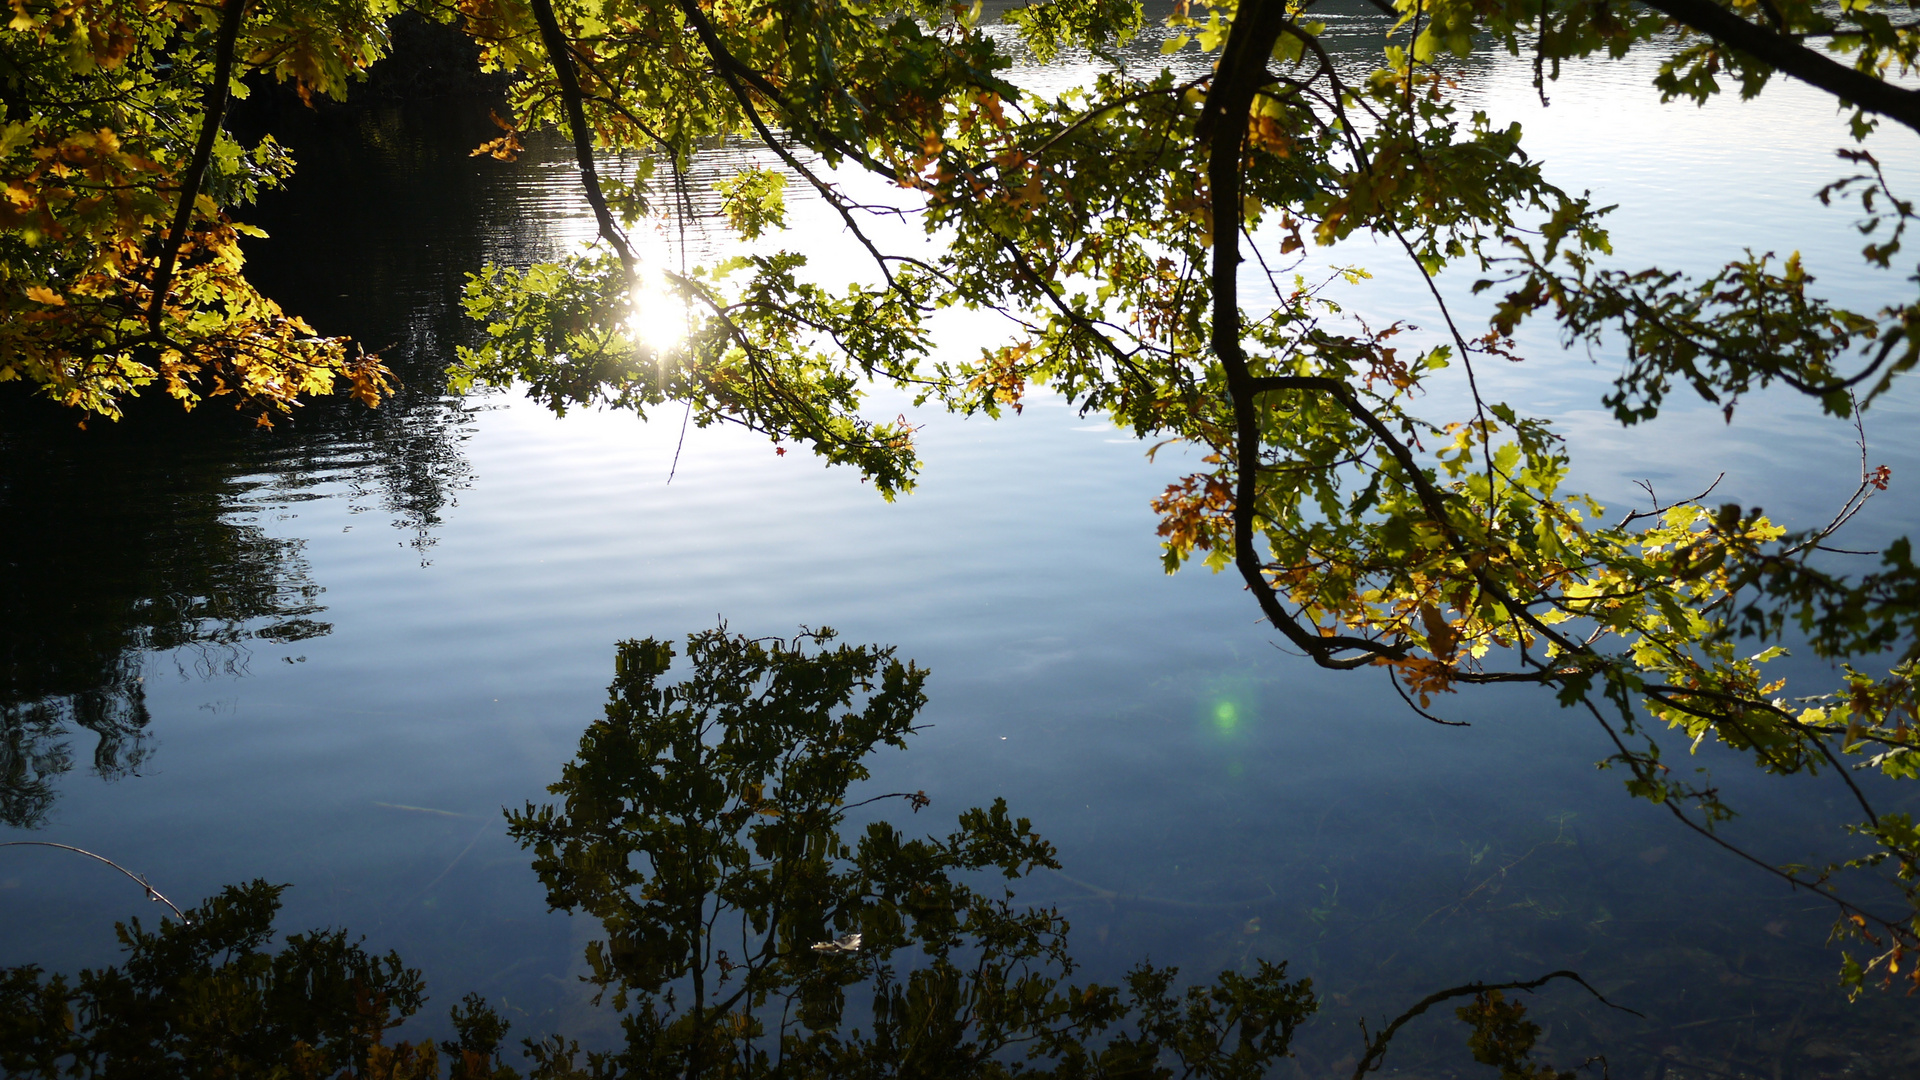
[845, 943]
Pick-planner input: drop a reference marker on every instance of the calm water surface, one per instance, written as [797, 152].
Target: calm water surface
[330, 654]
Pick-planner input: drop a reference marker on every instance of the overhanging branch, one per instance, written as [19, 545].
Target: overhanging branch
[214, 110]
[1790, 57]
[560, 54]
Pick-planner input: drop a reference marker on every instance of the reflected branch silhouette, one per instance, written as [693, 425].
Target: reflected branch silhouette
[1487, 1014]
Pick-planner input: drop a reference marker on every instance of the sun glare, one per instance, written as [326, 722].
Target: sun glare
[660, 316]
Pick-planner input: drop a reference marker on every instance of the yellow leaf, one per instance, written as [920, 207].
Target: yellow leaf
[45, 295]
[1442, 640]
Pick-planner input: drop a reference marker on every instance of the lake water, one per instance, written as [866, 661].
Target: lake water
[329, 654]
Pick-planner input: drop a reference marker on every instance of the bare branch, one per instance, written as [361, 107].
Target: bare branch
[152, 893]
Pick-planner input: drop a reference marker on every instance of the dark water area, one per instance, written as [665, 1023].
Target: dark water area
[329, 654]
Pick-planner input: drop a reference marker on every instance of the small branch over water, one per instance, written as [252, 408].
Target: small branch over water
[152, 893]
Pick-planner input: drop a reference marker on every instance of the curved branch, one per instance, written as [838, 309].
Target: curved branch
[1636, 763]
[152, 893]
[1377, 1047]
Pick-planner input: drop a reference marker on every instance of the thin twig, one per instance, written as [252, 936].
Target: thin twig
[152, 893]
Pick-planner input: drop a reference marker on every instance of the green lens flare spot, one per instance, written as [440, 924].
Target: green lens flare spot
[1226, 709]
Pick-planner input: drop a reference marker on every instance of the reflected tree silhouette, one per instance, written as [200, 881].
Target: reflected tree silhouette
[201, 997]
[142, 538]
[124, 544]
[750, 931]
[113, 557]
[146, 539]
[751, 928]
[34, 747]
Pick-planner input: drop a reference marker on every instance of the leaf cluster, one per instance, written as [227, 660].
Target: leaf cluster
[120, 267]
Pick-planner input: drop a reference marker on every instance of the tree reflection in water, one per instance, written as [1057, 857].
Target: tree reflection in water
[115, 555]
[127, 542]
[706, 825]
[141, 538]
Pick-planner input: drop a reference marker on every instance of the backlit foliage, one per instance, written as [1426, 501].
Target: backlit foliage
[120, 267]
[1144, 236]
